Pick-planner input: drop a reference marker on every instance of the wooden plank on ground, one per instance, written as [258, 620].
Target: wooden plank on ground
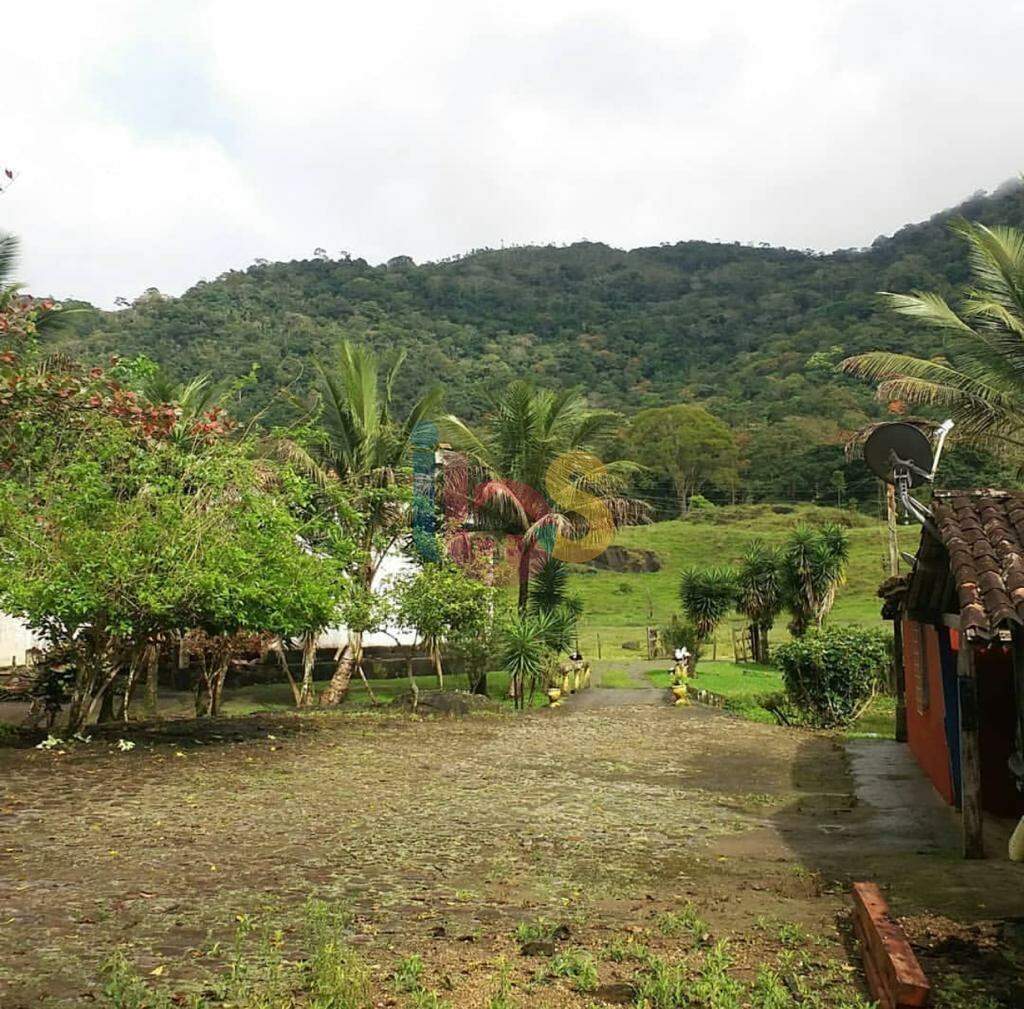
[894, 974]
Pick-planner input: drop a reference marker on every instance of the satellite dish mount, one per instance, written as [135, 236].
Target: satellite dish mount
[901, 454]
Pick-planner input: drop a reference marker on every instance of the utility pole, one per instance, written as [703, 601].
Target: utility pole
[890, 521]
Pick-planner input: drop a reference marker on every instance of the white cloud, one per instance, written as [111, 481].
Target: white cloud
[161, 143]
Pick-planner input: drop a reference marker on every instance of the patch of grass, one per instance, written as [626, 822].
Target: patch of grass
[259, 975]
[423, 999]
[684, 921]
[621, 950]
[617, 678]
[743, 684]
[502, 997]
[408, 975]
[575, 966]
[661, 986]
[793, 936]
[538, 930]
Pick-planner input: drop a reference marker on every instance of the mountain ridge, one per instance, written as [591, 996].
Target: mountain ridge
[751, 332]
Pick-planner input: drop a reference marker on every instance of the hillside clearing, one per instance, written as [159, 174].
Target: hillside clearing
[618, 606]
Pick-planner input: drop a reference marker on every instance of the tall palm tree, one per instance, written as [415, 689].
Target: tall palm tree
[536, 479]
[983, 389]
[363, 448]
[760, 594]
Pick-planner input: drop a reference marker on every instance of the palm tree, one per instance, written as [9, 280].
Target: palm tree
[760, 593]
[814, 566]
[707, 595]
[983, 391]
[362, 449]
[46, 316]
[536, 478]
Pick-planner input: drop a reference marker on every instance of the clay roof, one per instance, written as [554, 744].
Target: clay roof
[983, 535]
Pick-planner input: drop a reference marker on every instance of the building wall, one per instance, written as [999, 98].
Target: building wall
[997, 740]
[933, 741]
[926, 709]
[15, 640]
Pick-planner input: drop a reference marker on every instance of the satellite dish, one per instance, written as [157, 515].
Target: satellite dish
[899, 448]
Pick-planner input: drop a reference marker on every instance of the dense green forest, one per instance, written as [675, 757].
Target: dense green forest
[751, 333]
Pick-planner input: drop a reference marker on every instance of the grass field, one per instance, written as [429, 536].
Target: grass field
[741, 684]
[278, 696]
[617, 607]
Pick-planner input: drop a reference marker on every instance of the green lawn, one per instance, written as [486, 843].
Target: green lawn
[617, 607]
[278, 696]
[742, 683]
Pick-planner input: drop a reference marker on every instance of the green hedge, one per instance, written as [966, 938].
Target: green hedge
[831, 674]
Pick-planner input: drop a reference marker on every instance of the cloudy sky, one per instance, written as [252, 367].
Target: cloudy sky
[157, 143]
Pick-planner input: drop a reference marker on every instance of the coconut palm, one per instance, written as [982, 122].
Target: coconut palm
[707, 595]
[362, 448]
[814, 566]
[983, 389]
[760, 594]
[536, 478]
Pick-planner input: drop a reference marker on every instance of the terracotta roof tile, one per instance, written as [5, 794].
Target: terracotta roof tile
[983, 532]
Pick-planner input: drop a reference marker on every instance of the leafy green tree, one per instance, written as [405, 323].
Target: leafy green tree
[981, 385]
[356, 440]
[537, 478]
[814, 566]
[444, 605]
[688, 444]
[760, 594]
[707, 595]
[120, 540]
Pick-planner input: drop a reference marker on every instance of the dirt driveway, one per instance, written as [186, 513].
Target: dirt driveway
[443, 836]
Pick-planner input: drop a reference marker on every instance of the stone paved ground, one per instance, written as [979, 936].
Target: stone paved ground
[443, 835]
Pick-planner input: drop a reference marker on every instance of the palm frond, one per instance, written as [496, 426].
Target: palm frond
[8, 257]
[930, 308]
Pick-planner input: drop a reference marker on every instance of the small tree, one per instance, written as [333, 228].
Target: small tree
[707, 595]
[442, 604]
[530, 644]
[832, 674]
[760, 593]
[814, 566]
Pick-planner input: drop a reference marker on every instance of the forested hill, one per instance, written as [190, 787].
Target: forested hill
[751, 332]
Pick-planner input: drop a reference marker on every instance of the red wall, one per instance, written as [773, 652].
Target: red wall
[926, 712]
[926, 731]
[998, 718]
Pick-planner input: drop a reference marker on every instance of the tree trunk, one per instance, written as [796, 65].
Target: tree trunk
[479, 684]
[438, 670]
[337, 690]
[152, 680]
[106, 712]
[282, 660]
[306, 697]
[219, 677]
[524, 577]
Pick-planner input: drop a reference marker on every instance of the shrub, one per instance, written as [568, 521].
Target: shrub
[679, 633]
[831, 674]
[700, 503]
